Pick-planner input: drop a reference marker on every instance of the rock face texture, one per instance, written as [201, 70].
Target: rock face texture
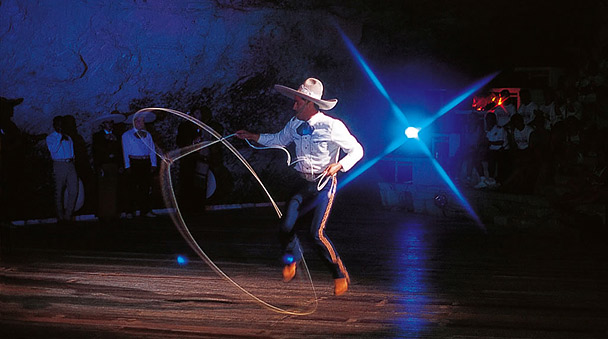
[88, 58]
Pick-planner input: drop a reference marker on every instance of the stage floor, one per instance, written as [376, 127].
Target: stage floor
[412, 276]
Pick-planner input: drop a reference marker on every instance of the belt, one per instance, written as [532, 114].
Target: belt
[139, 157]
[64, 160]
[309, 176]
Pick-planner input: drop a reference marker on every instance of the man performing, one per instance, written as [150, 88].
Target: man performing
[318, 139]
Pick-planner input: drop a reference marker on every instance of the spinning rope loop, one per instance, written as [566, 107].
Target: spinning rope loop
[323, 178]
[177, 217]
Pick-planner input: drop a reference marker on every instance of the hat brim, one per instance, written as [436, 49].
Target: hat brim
[10, 102]
[116, 118]
[292, 93]
[148, 117]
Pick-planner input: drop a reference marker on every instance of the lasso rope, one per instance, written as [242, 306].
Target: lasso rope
[322, 178]
[178, 220]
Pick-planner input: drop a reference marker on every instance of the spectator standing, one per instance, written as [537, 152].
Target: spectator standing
[493, 161]
[521, 177]
[11, 159]
[139, 155]
[548, 109]
[505, 108]
[194, 167]
[108, 163]
[527, 107]
[61, 147]
[82, 161]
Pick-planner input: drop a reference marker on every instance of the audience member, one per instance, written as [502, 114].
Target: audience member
[472, 150]
[527, 107]
[522, 176]
[139, 155]
[108, 163]
[82, 161]
[505, 108]
[493, 162]
[194, 167]
[548, 109]
[540, 145]
[11, 159]
[61, 147]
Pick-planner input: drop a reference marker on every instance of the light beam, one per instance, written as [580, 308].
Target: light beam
[460, 98]
[394, 108]
[367, 165]
[398, 113]
[451, 185]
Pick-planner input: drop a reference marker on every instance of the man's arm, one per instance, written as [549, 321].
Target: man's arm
[348, 143]
[246, 135]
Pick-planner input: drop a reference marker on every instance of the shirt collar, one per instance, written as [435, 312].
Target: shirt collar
[315, 118]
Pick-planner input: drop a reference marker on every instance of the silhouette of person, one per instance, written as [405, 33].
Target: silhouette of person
[61, 147]
[108, 163]
[140, 164]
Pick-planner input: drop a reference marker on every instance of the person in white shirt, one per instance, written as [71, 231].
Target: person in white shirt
[61, 147]
[523, 163]
[521, 132]
[527, 107]
[493, 158]
[504, 109]
[318, 140]
[549, 109]
[140, 161]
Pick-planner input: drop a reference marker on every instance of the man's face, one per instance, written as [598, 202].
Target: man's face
[299, 105]
[108, 125]
[139, 122]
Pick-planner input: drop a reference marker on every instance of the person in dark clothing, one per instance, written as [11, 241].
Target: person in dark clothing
[193, 168]
[108, 163]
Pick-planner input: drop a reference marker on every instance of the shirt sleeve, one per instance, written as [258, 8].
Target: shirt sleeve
[348, 143]
[125, 149]
[52, 143]
[152, 149]
[282, 138]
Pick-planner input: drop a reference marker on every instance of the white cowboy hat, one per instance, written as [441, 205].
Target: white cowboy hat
[312, 90]
[115, 117]
[148, 117]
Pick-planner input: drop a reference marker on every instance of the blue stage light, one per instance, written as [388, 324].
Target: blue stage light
[182, 260]
[412, 132]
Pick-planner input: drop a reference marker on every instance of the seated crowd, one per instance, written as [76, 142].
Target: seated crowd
[559, 144]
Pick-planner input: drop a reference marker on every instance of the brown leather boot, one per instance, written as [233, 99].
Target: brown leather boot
[340, 286]
[289, 271]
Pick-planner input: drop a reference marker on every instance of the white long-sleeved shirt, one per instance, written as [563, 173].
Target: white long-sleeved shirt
[60, 149]
[527, 111]
[134, 146]
[504, 113]
[497, 133]
[321, 148]
[522, 138]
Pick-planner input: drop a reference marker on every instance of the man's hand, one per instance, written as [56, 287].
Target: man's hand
[332, 169]
[242, 134]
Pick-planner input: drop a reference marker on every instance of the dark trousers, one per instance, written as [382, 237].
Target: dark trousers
[193, 174]
[140, 186]
[107, 191]
[307, 198]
